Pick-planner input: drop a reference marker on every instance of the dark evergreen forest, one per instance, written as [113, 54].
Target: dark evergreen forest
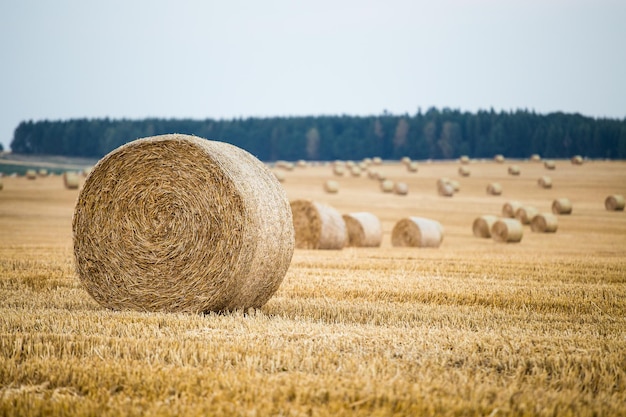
[434, 134]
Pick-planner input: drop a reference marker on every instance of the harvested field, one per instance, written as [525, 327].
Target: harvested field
[472, 328]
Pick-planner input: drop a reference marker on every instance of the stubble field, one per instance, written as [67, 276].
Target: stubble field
[472, 328]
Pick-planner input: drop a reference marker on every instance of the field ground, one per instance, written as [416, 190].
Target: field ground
[472, 328]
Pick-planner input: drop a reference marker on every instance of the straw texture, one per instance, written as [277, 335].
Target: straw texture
[364, 229]
[482, 225]
[494, 188]
[525, 214]
[545, 182]
[182, 224]
[318, 226]
[615, 202]
[31, 174]
[514, 170]
[510, 208]
[417, 232]
[549, 164]
[331, 187]
[544, 223]
[507, 231]
[401, 188]
[562, 206]
[464, 171]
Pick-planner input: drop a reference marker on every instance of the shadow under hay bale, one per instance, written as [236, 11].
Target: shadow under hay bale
[182, 224]
[417, 232]
[562, 206]
[544, 223]
[481, 227]
[614, 202]
[317, 226]
[364, 229]
[507, 231]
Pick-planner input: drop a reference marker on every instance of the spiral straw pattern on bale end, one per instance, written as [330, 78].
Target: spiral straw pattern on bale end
[525, 214]
[318, 226]
[562, 206]
[364, 229]
[507, 231]
[544, 223]
[482, 225]
[615, 202]
[417, 232]
[182, 224]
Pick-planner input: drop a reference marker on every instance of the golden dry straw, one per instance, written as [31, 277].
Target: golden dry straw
[549, 164]
[317, 225]
[412, 166]
[464, 171]
[507, 231]
[562, 206]
[494, 188]
[71, 180]
[499, 158]
[339, 170]
[377, 160]
[545, 182]
[181, 224]
[482, 225]
[401, 188]
[614, 202]
[386, 186]
[444, 187]
[509, 208]
[302, 163]
[42, 172]
[417, 232]
[577, 160]
[355, 170]
[364, 229]
[544, 223]
[31, 174]
[1, 184]
[405, 160]
[535, 157]
[331, 187]
[514, 170]
[525, 214]
[464, 159]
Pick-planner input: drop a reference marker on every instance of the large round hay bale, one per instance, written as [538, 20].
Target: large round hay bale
[494, 188]
[182, 224]
[317, 225]
[562, 206]
[364, 229]
[482, 225]
[525, 214]
[464, 171]
[549, 164]
[509, 208]
[577, 160]
[445, 188]
[386, 186]
[377, 160]
[545, 182]
[71, 181]
[339, 170]
[355, 171]
[31, 174]
[544, 222]
[507, 231]
[412, 166]
[535, 157]
[614, 202]
[331, 187]
[417, 232]
[514, 170]
[401, 188]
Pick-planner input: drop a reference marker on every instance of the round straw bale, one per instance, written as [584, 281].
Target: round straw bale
[71, 180]
[614, 202]
[42, 172]
[317, 226]
[549, 164]
[525, 214]
[562, 206]
[535, 157]
[386, 186]
[405, 160]
[182, 224]
[444, 187]
[509, 208]
[494, 188]
[364, 229]
[31, 174]
[577, 160]
[464, 159]
[377, 160]
[482, 225]
[417, 232]
[545, 182]
[372, 173]
[401, 188]
[339, 170]
[514, 170]
[355, 170]
[412, 167]
[499, 158]
[331, 187]
[544, 222]
[507, 231]
[464, 171]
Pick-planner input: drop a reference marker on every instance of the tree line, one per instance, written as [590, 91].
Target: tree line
[434, 134]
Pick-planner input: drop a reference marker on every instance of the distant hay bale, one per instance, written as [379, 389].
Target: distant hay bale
[499, 158]
[514, 170]
[510, 208]
[355, 171]
[494, 188]
[544, 223]
[464, 171]
[562, 206]
[525, 214]
[549, 164]
[363, 229]
[445, 187]
[464, 159]
[507, 231]
[614, 202]
[577, 160]
[71, 180]
[339, 170]
[545, 182]
[43, 172]
[412, 167]
[331, 187]
[401, 188]
[181, 224]
[302, 163]
[405, 160]
[417, 232]
[317, 226]
[31, 174]
[386, 186]
[372, 173]
[482, 225]
[377, 160]
[535, 158]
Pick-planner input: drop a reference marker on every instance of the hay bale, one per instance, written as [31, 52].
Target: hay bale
[482, 225]
[545, 182]
[31, 174]
[507, 231]
[405, 160]
[355, 170]
[363, 229]
[445, 187]
[373, 173]
[614, 202]
[417, 232]
[377, 160]
[280, 176]
[464, 171]
[514, 170]
[401, 188]
[525, 214]
[494, 188]
[412, 167]
[577, 160]
[549, 164]
[535, 158]
[464, 159]
[386, 186]
[43, 172]
[71, 180]
[331, 187]
[499, 158]
[510, 208]
[182, 224]
[562, 206]
[544, 223]
[317, 226]
[339, 170]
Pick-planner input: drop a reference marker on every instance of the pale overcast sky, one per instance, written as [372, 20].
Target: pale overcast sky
[222, 59]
